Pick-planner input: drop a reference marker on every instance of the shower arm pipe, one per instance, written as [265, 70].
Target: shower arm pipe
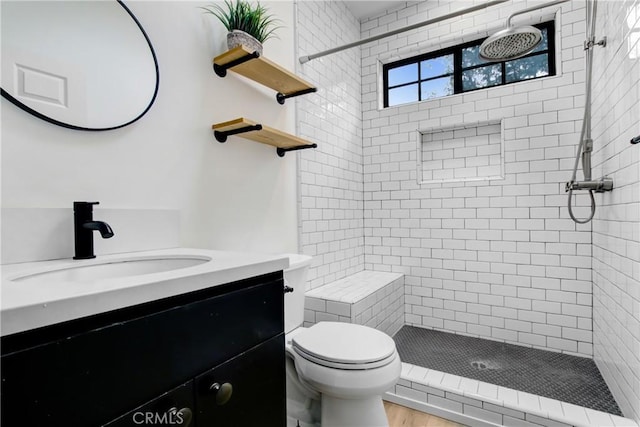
[307, 58]
[532, 8]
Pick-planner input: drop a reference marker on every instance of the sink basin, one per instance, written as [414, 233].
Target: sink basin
[110, 269]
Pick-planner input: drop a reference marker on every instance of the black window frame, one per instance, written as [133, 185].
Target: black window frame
[456, 51]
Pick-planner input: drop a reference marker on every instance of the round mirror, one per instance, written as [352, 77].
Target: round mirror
[84, 65]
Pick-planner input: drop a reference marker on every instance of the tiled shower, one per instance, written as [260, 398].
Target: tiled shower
[464, 195]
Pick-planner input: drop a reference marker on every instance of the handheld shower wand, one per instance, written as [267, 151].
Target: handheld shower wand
[585, 147]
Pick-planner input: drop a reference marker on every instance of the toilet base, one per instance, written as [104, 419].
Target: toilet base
[367, 412]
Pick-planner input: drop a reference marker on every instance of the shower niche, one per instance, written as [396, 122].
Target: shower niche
[463, 152]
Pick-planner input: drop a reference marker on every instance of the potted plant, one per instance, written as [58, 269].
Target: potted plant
[248, 25]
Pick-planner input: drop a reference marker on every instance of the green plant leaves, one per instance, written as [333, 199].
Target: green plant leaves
[241, 15]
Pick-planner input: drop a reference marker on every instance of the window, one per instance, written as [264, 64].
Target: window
[460, 69]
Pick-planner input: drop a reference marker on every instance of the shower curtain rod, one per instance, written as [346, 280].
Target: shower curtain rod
[307, 58]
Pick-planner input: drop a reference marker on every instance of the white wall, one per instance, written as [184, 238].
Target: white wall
[331, 191]
[498, 259]
[238, 195]
[616, 227]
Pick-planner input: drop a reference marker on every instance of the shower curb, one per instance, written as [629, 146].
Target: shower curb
[481, 404]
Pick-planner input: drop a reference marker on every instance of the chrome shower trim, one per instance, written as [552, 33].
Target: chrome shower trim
[510, 32]
[588, 44]
[517, 44]
[600, 186]
[533, 8]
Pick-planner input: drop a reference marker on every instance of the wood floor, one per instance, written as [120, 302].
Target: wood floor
[400, 416]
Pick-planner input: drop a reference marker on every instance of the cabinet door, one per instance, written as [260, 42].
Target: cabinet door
[174, 408]
[246, 391]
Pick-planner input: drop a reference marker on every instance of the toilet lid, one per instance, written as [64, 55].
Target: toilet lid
[344, 343]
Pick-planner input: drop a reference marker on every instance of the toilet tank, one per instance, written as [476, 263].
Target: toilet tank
[296, 277]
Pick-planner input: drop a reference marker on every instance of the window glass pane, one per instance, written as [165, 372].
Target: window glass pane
[403, 95]
[471, 57]
[544, 43]
[477, 78]
[436, 66]
[527, 68]
[405, 74]
[437, 87]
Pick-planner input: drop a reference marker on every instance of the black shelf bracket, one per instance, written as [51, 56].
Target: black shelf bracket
[221, 136]
[221, 70]
[280, 97]
[282, 151]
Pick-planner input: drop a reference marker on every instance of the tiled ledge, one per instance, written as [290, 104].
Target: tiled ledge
[482, 404]
[370, 298]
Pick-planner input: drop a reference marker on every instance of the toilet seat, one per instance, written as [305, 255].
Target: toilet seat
[345, 346]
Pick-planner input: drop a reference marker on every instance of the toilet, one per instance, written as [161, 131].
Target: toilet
[336, 372]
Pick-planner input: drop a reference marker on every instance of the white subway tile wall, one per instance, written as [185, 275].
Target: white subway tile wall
[498, 259]
[616, 227]
[330, 176]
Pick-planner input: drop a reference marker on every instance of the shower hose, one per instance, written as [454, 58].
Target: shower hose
[585, 133]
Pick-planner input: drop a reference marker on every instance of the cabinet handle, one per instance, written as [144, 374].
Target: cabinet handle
[223, 392]
[288, 289]
[181, 417]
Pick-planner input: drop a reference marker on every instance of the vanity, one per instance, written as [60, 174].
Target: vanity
[201, 345]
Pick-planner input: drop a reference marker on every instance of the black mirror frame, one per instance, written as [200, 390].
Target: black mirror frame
[41, 116]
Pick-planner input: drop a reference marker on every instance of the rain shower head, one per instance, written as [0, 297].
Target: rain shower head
[513, 42]
[510, 43]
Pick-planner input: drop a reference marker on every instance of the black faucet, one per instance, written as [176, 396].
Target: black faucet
[83, 226]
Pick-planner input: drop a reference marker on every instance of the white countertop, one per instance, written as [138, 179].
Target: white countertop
[27, 305]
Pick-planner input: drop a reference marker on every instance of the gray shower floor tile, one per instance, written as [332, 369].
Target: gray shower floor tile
[558, 376]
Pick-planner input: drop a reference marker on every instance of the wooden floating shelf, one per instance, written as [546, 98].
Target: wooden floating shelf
[249, 129]
[251, 65]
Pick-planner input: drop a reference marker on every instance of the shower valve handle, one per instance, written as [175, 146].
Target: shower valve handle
[599, 186]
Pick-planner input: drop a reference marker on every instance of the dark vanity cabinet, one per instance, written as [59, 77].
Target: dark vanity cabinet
[242, 391]
[174, 407]
[210, 358]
